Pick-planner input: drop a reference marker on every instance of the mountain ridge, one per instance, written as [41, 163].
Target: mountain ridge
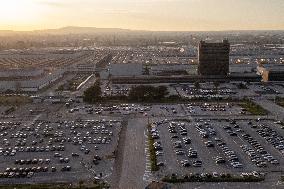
[93, 30]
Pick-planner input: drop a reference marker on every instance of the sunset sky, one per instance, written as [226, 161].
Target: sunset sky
[189, 15]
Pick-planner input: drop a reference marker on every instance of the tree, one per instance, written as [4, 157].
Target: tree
[93, 93]
[144, 93]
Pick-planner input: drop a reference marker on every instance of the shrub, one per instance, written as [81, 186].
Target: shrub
[152, 151]
[93, 93]
[209, 178]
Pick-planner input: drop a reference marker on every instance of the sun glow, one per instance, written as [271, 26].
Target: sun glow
[18, 11]
[169, 15]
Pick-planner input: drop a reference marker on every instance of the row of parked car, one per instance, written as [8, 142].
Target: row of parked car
[175, 128]
[258, 154]
[157, 143]
[179, 128]
[28, 172]
[230, 155]
[31, 161]
[206, 91]
[11, 151]
[203, 133]
[116, 90]
[210, 107]
[118, 109]
[255, 158]
[271, 136]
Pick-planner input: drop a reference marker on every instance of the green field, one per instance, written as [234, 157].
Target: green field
[253, 108]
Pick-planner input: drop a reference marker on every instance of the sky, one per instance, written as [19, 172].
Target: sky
[158, 15]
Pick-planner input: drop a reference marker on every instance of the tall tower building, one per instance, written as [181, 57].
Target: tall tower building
[213, 58]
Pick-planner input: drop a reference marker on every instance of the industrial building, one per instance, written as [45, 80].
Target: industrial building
[271, 72]
[30, 83]
[213, 58]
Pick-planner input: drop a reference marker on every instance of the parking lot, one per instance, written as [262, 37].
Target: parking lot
[74, 141]
[57, 151]
[218, 146]
[194, 109]
[113, 110]
[273, 89]
[211, 109]
[206, 90]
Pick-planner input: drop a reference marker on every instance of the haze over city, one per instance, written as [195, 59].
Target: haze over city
[166, 15]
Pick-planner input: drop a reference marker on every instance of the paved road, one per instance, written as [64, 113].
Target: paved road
[273, 108]
[133, 164]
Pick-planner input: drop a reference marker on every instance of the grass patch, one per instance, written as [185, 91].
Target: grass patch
[253, 108]
[14, 100]
[152, 151]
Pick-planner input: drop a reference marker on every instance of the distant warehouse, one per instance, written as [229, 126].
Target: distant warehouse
[213, 58]
[271, 72]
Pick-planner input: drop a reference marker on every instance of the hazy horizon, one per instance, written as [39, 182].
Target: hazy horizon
[150, 15]
[94, 27]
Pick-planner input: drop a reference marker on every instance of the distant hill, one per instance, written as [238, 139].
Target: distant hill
[94, 30]
[82, 30]
[69, 30]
